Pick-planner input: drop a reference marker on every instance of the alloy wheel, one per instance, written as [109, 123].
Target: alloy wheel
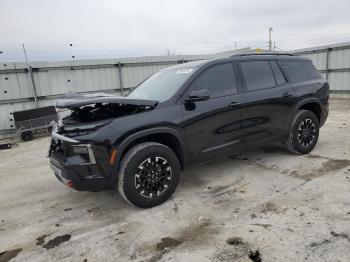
[153, 177]
[306, 132]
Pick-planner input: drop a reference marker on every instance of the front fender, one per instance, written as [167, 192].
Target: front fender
[121, 147]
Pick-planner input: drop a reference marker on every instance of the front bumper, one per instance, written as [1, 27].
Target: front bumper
[69, 176]
[83, 172]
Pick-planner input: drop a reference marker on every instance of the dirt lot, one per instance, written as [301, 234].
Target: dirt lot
[265, 205]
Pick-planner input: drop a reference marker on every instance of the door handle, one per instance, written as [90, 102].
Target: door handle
[287, 94]
[234, 104]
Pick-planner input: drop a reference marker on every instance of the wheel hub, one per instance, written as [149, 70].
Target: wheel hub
[306, 132]
[153, 177]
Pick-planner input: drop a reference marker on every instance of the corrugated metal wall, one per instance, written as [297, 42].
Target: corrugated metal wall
[52, 80]
[333, 62]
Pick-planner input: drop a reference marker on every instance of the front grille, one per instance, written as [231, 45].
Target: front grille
[57, 148]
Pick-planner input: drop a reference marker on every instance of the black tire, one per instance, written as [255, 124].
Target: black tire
[145, 158]
[27, 136]
[5, 146]
[299, 141]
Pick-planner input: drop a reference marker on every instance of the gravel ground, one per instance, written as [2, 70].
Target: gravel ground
[264, 205]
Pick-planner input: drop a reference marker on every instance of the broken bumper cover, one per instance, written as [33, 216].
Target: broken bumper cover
[75, 165]
[70, 176]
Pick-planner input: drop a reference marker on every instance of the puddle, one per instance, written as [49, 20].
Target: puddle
[9, 254]
[255, 256]
[167, 242]
[194, 234]
[234, 241]
[41, 240]
[330, 165]
[57, 241]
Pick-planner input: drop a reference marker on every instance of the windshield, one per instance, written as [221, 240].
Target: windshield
[162, 85]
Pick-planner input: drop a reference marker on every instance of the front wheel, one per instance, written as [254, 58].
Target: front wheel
[303, 134]
[149, 174]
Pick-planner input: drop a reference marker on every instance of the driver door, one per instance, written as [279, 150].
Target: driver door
[213, 127]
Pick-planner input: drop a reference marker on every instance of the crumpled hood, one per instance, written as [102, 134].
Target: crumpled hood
[74, 100]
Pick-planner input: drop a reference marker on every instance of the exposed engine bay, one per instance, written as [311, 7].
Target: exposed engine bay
[99, 111]
[88, 108]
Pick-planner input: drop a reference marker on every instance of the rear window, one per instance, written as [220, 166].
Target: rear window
[298, 71]
[258, 75]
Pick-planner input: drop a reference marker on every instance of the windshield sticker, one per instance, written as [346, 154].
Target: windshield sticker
[184, 71]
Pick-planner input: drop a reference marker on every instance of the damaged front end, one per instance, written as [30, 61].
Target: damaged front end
[79, 155]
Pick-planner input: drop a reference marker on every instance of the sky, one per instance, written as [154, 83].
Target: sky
[60, 29]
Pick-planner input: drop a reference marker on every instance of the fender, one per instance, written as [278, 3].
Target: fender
[128, 140]
[300, 104]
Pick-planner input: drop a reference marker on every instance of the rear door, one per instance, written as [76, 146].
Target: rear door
[213, 127]
[269, 100]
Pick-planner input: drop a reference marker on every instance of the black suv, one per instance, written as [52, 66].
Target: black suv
[184, 114]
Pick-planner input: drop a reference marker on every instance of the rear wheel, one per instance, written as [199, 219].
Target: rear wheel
[304, 132]
[149, 174]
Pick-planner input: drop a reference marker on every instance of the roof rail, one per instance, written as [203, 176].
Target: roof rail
[262, 53]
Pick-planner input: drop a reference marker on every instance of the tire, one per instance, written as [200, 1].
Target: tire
[137, 166]
[301, 141]
[27, 136]
[5, 146]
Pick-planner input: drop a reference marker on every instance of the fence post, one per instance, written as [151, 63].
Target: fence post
[327, 62]
[32, 82]
[121, 79]
[31, 77]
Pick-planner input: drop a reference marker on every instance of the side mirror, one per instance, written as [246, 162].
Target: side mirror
[198, 95]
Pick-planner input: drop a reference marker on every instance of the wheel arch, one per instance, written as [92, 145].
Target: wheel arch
[311, 104]
[165, 135]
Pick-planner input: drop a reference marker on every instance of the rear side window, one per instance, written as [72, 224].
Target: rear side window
[220, 80]
[258, 75]
[298, 71]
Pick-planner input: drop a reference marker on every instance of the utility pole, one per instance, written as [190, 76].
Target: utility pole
[31, 77]
[25, 53]
[270, 38]
[235, 45]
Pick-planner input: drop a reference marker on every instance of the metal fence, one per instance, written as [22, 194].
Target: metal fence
[333, 62]
[26, 85]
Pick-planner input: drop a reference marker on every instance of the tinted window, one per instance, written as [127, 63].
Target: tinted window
[280, 80]
[219, 80]
[258, 75]
[162, 85]
[298, 71]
